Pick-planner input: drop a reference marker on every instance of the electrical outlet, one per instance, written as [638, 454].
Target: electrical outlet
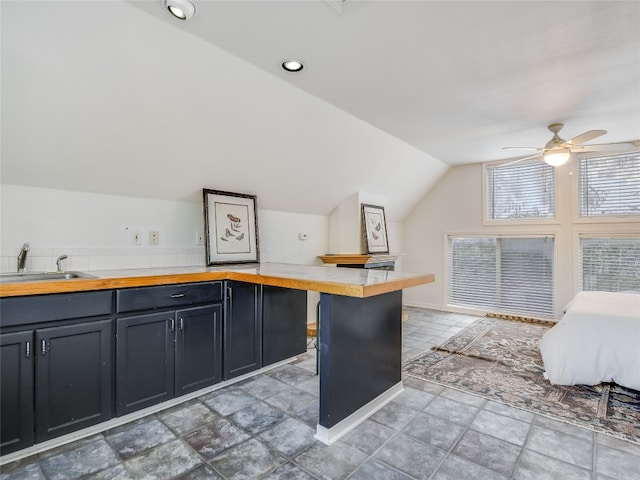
[154, 237]
[135, 238]
[199, 238]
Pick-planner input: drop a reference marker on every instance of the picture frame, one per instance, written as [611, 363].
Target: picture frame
[374, 228]
[231, 227]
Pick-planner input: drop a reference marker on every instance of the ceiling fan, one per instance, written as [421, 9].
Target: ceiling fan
[557, 151]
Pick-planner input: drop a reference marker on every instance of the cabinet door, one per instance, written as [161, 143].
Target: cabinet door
[16, 391]
[242, 329]
[284, 323]
[73, 377]
[198, 348]
[144, 361]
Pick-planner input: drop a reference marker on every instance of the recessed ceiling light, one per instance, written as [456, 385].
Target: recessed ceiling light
[292, 65]
[181, 9]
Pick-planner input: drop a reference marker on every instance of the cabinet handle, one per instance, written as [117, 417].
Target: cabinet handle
[172, 325]
[177, 295]
[43, 347]
[28, 350]
[180, 323]
[229, 304]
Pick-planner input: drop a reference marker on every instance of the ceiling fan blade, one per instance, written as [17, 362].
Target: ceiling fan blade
[584, 137]
[521, 160]
[521, 148]
[607, 147]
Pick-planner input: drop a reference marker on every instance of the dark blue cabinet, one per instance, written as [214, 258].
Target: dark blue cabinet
[56, 366]
[284, 323]
[144, 361]
[242, 329]
[166, 351]
[73, 377]
[198, 354]
[16, 391]
[69, 361]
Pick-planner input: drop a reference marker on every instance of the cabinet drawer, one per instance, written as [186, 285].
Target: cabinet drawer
[167, 296]
[45, 308]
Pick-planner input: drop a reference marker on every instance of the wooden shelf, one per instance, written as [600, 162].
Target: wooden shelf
[360, 260]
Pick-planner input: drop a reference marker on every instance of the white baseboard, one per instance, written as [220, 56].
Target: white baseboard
[117, 421]
[446, 308]
[330, 435]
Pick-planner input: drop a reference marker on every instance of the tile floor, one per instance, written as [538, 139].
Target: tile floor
[263, 428]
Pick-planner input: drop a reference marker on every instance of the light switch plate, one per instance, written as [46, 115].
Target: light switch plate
[135, 238]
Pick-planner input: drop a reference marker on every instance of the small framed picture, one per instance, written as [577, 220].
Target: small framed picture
[231, 227]
[374, 228]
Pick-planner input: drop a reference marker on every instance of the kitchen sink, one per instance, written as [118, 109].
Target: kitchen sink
[41, 276]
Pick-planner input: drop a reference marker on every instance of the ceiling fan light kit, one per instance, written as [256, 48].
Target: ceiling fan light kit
[556, 157]
[181, 9]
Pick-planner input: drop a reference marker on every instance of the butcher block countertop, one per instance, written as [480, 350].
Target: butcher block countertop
[351, 282]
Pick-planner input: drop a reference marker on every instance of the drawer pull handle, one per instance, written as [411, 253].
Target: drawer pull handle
[177, 295]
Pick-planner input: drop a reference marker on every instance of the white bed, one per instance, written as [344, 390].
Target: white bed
[597, 340]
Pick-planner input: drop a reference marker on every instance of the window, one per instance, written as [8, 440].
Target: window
[610, 264]
[609, 185]
[520, 191]
[509, 275]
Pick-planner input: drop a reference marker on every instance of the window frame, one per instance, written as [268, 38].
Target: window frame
[577, 250]
[529, 234]
[486, 221]
[575, 198]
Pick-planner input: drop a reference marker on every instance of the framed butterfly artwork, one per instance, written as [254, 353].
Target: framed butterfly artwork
[374, 226]
[231, 227]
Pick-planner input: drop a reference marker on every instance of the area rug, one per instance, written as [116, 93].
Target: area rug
[500, 360]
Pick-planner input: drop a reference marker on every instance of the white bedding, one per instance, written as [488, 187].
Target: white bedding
[597, 340]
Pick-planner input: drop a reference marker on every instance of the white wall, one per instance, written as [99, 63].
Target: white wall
[101, 97]
[279, 237]
[345, 223]
[94, 230]
[455, 205]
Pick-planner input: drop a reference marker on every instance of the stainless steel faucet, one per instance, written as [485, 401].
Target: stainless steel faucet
[22, 257]
[59, 262]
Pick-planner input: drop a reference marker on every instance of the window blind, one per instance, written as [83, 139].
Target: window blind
[609, 185]
[610, 264]
[520, 191]
[505, 275]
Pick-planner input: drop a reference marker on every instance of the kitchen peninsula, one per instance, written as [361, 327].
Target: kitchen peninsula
[360, 323]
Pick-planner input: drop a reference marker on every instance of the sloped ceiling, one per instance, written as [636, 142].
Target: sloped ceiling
[120, 98]
[456, 79]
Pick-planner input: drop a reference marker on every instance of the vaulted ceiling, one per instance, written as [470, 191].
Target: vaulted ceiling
[122, 98]
[457, 80]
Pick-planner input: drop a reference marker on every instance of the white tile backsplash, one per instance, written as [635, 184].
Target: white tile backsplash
[88, 259]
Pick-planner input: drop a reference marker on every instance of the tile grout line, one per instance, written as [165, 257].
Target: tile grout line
[522, 450]
[455, 444]
[371, 456]
[594, 457]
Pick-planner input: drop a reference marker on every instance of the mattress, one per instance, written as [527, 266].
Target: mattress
[597, 340]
